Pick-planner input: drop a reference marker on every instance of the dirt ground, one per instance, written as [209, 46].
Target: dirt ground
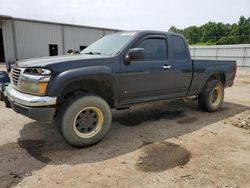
[162, 144]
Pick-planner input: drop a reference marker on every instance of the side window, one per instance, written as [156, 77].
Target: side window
[180, 50]
[155, 48]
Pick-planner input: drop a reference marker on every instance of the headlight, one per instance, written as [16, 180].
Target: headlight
[36, 88]
[34, 81]
[37, 71]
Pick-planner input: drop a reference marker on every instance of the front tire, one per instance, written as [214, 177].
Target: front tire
[84, 120]
[212, 96]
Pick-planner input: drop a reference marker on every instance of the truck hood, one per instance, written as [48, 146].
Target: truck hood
[45, 61]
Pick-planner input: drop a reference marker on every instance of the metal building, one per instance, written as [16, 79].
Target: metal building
[23, 38]
[237, 52]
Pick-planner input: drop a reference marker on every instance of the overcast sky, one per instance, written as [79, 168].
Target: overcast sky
[129, 14]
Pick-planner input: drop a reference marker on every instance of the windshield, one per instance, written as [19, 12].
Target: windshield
[110, 44]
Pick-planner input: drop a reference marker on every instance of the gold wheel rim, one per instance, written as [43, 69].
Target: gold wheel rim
[216, 96]
[88, 122]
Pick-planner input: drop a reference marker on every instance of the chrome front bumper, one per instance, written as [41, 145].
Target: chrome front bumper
[41, 108]
[28, 100]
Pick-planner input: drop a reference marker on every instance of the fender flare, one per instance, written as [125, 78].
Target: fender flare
[64, 79]
[210, 72]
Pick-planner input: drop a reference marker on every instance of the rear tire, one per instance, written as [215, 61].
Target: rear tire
[212, 96]
[84, 120]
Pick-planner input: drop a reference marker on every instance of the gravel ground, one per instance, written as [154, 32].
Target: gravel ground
[162, 144]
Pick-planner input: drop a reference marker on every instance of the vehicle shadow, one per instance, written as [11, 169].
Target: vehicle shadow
[40, 143]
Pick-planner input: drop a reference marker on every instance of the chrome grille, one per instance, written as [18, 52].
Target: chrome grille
[15, 75]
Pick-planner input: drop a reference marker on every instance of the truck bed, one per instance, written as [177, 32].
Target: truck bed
[202, 69]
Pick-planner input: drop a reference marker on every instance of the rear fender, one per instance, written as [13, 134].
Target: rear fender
[211, 74]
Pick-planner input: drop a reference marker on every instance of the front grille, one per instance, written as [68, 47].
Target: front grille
[15, 75]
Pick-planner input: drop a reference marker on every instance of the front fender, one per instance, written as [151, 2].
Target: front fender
[61, 81]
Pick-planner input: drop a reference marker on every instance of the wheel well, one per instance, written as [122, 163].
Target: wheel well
[219, 76]
[101, 88]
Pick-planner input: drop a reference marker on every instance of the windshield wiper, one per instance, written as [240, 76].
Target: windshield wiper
[93, 53]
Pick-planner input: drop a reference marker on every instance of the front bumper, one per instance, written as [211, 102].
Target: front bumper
[41, 108]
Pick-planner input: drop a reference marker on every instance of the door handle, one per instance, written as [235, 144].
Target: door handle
[166, 67]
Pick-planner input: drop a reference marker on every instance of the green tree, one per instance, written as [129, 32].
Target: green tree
[208, 32]
[193, 34]
[244, 30]
[217, 33]
[222, 40]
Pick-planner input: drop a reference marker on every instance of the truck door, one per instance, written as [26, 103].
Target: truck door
[181, 68]
[146, 78]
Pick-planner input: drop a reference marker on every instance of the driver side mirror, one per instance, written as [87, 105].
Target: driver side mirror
[135, 54]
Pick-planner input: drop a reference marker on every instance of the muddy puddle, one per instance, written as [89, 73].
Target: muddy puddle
[161, 156]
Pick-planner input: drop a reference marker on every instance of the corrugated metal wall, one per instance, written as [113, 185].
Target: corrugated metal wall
[8, 42]
[32, 38]
[75, 37]
[240, 53]
[107, 32]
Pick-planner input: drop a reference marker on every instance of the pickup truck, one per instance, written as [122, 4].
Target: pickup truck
[117, 71]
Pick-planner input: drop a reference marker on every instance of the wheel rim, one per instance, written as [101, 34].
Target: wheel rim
[88, 122]
[216, 96]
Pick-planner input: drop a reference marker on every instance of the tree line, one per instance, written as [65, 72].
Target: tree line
[213, 33]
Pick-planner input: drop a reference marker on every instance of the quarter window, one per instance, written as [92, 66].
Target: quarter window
[155, 48]
[180, 49]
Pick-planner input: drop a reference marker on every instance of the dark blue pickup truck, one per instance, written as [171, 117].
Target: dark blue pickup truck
[117, 71]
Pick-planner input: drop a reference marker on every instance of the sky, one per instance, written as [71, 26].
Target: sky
[129, 14]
